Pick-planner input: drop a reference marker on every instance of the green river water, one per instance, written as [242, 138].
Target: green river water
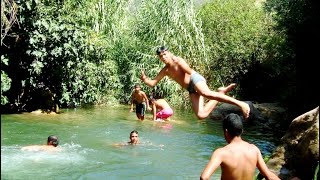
[178, 149]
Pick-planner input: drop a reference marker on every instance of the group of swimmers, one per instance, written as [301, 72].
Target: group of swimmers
[238, 159]
[160, 108]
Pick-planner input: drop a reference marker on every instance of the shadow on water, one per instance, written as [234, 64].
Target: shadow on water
[178, 149]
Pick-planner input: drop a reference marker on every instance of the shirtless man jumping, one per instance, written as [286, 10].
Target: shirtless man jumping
[238, 159]
[177, 69]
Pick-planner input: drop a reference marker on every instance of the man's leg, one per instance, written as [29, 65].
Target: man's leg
[143, 110]
[139, 111]
[139, 116]
[197, 104]
[203, 90]
[201, 110]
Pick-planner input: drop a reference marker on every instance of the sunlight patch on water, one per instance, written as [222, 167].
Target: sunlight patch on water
[13, 159]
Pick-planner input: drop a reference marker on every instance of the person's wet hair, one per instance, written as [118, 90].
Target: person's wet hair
[134, 131]
[54, 140]
[161, 49]
[233, 123]
[156, 94]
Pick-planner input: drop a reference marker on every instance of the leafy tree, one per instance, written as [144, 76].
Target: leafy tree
[238, 34]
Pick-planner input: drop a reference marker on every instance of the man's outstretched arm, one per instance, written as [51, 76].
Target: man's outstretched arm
[147, 101]
[153, 82]
[132, 102]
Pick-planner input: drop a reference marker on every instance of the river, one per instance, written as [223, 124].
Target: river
[178, 149]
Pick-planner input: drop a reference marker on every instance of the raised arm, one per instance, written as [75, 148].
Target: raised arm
[132, 100]
[261, 165]
[153, 82]
[154, 111]
[212, 165]
[147, 101]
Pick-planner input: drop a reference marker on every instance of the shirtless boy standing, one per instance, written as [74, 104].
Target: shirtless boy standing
[177, 69]
[161, 109]
[238, 159]
[139, 98]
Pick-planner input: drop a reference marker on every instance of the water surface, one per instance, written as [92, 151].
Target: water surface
[179, 149]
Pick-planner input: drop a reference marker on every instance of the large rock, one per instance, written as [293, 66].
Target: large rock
[266, 114]
[298, 153]
[224, 109]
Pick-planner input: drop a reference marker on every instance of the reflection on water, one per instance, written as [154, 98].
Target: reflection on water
[178, 149]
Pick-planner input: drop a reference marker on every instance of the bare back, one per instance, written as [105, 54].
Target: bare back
[40, 148]
[239, 161]
[161, 104]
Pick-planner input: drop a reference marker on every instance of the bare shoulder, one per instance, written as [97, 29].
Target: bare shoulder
[220, 152]
[40, 148]
[30, 148]
[178, 59]
[119, 144]
[254, 148]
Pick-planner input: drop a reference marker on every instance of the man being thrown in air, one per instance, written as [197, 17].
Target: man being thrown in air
[177, 69]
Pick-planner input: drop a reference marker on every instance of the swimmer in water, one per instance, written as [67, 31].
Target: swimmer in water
[134, 139]
[52, 144]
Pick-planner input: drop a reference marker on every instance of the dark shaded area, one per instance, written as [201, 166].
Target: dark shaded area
[23, 94]
[295, 86]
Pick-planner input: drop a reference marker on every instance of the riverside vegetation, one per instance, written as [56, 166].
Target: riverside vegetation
[89, 52]
[92, 51]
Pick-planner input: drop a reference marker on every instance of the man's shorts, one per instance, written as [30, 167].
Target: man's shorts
[164, 113]
[194, 79]
[141, 108]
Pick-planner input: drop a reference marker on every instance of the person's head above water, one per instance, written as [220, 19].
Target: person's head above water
[134, 137]
[232, 124]
[53, 140]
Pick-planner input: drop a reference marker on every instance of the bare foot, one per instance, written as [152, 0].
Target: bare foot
[245, 110]
[224, 90]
